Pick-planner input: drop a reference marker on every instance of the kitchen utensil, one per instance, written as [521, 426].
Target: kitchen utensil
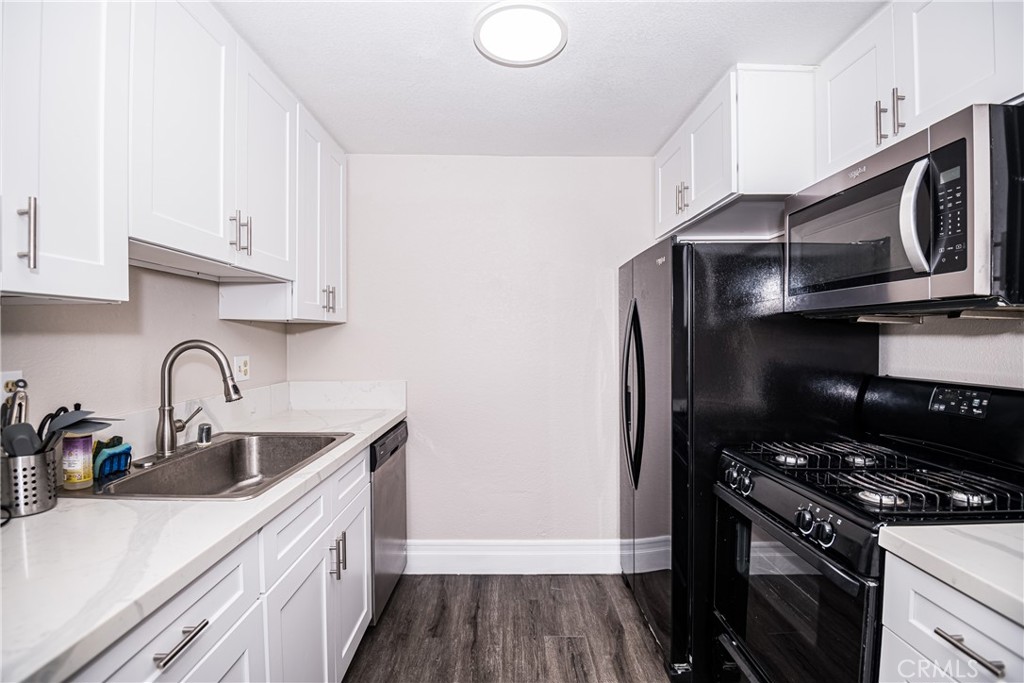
[63, 419]
[45, 423]
[21, 439]
[51, 441]
[19, 403]
[83, 427]
[28, 483]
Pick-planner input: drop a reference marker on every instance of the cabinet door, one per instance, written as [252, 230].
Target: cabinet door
[950, 55]
[670, 164]
[239, 657]
[310, 279]
[266, 168]
[847, 85]
[300, 619]
[334, 238]
[350, 597]
[711, 137]
[65, 140]
[183, 128]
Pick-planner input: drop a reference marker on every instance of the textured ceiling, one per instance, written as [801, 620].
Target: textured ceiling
[405, 77]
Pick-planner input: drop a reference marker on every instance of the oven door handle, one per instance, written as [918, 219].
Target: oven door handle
[908, 217]
[839, 578]
[739, 659]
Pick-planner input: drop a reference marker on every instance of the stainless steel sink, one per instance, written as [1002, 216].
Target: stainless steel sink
[234, 466]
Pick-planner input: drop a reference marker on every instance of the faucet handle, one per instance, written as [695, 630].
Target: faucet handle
[179, 425]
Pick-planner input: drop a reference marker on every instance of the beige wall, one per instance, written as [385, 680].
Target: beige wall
[489, 283]
[971, 351]
[108, 356]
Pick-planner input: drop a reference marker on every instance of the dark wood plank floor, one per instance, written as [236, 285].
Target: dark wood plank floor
[509, 629]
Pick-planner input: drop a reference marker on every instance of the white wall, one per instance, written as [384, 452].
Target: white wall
[970, 351]
[108, 356]
[489, 283]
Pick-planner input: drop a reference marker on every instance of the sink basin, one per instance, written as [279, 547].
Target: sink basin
[234, 466]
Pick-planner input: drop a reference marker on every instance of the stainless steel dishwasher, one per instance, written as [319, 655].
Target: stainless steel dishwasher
[388, 514]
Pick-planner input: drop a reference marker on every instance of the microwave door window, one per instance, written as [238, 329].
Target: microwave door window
[853, 238]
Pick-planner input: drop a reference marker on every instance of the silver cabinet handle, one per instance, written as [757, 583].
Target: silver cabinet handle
[677, 200]
[327, 298]
[682, 196]
[334, 299]
[33, 234]
[896, 123]
[344, 550]
[996, 668]
[879, 135]
[165, 659]
[239, 224]
[340, 552]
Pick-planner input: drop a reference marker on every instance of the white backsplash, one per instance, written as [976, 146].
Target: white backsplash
[969, 351]
[139, 427]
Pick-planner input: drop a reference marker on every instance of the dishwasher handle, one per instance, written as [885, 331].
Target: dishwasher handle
[389, 444]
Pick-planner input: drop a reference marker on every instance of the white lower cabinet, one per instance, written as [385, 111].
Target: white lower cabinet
[319, 610]
[289, 604]
[933, 632]
[240, 656]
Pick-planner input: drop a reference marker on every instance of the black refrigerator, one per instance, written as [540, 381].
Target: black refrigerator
[709, 358]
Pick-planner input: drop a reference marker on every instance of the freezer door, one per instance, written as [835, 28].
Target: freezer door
[627, 419]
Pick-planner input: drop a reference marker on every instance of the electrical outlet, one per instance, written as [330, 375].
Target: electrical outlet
[10, 376]
[242, 368]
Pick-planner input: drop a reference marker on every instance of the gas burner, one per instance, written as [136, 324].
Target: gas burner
[877, 499]
[962, 499]
[790, 459]
[859, 460]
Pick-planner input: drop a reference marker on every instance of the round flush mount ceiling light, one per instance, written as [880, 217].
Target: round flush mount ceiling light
[520, 33]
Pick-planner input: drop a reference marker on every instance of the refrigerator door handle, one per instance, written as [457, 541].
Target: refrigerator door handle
[627, 407]
[641, 400]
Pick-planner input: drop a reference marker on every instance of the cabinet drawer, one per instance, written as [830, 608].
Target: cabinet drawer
[219, 597]
[241, 655]
[346, 482]
[288, 535]
[916, 604]
[901, 663]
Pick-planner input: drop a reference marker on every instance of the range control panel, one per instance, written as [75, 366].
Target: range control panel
[957, 401]
[950, 208]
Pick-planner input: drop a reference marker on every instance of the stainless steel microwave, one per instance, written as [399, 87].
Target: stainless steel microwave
[931, 224]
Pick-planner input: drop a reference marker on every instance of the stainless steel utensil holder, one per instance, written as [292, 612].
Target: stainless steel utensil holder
[29, 482]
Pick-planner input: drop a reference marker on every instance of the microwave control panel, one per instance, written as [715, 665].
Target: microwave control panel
[949, 175]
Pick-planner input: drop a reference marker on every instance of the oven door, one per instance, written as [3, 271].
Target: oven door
[863, 236]
[794, 615]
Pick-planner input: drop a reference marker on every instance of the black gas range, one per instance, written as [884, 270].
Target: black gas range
[798, 568]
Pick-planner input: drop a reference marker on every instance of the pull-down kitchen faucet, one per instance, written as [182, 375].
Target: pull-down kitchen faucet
[167, 427]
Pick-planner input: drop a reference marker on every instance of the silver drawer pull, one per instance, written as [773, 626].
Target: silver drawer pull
[33, 234]
[996, 668]
[165, 659]
[336, 551]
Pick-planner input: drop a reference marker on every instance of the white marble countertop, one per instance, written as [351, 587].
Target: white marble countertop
[984, 561]
[80, 576]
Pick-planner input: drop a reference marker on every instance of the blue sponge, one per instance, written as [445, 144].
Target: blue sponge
[111, 461]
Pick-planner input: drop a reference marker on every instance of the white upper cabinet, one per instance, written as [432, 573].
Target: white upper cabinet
[710, 133]
[671, 169]
[266, 169]
[318, 292]
[913, 64]
[65, 145]
[748, 136]
[953, 54]
[853, 90]
[183, 128]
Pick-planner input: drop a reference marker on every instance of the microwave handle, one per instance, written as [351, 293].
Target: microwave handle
[908, 217]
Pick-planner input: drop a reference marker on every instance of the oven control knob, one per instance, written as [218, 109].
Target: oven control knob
[746, 484]
[804, 521]
[825, 534]
[732, 477]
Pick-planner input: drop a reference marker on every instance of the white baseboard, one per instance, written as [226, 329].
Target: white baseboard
[514, 557]
[653, 554]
